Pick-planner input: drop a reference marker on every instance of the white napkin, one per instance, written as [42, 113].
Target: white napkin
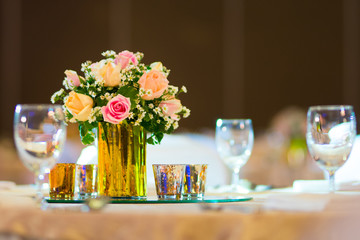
[323, 186]
[89, 155]
[6, 185]
[296, 202]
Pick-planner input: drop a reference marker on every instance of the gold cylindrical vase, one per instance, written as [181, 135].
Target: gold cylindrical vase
[122, 160]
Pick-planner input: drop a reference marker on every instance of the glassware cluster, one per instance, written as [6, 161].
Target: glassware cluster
[40, 133]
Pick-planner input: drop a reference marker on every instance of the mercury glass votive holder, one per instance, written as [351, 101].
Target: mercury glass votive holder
[195, 180]
[86, 181]
[62, 181]
[169, 180]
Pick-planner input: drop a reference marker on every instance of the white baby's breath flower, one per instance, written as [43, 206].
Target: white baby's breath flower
[102, 97]
[151, 106]
[92, 93]
[173, 89]
[157, 110]
[151, 116]
[109, 53]
[56, 95]
[149, 92]
[187, 112]
[166, 72]
[142, 115]
[66, 84]
[168, 120]
[165, 108]
[99, 81]
[122, 76]
[158, 121]
[137, 122]
[139, 107]
[52, 99]
[167, 125]
[108, 96]
[85, 65]
[91, 118]
[131, 115]
[65, 100]
[139, 56]
[141, 92]
[175, 124]
[183, 88]
[92, 115]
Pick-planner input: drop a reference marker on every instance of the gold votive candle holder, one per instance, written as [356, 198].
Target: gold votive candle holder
[62, 181]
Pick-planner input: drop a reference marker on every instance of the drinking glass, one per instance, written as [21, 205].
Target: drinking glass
[331, 131]
[39, 133]
[234, 142]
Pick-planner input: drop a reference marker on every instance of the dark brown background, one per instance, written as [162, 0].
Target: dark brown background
[238, 59]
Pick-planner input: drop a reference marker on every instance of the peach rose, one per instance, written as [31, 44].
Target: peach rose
[155, 81]
[171, 107]
[109, 72]
[72, 78]
[123, 59]
[117, 109]
[79, 105]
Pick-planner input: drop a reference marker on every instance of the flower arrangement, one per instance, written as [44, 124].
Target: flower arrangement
[120, 88]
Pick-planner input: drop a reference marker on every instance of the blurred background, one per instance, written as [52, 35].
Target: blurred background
[237, 58]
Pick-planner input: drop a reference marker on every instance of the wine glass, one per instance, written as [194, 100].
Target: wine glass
[234, 142]
[39, 133]
[331, 131]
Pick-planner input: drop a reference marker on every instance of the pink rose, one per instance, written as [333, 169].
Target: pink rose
[124, 59]
[171, 107]
[117, 109]
[155, 82]
[72, 78]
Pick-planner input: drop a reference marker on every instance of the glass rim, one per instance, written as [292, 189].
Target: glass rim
[43, 105]
[170, 164]
[234, 119]
[197, 164]
[331, 107]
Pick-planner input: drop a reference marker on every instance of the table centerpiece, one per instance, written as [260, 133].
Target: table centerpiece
[123, 104]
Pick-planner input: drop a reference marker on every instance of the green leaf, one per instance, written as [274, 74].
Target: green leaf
[88, 139]
[129, 92]
[159, 136]
[155, 138]
[86, 134]
[150, 140]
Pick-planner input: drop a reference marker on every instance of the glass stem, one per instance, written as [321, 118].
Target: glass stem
[331, 181]
[38, 184]
[235, 177]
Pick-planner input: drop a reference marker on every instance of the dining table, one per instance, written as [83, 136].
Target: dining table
[271, 214]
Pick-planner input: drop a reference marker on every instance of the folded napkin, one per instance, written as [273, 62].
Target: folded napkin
[296, 202]
[7, 185]
[323, 186]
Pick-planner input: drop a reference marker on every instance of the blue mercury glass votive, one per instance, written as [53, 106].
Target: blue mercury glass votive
[195, 180]
[169, 180]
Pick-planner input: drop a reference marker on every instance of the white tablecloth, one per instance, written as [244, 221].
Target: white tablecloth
[270, 215]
